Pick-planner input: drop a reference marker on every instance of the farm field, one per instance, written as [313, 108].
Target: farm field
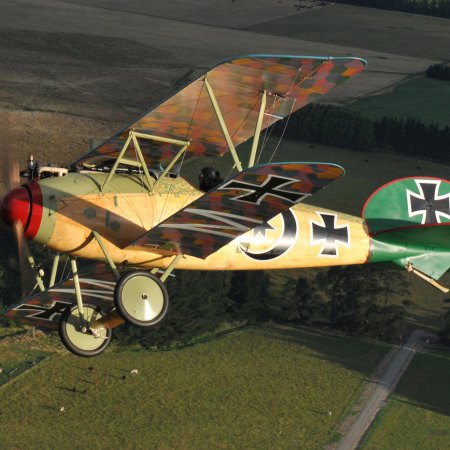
[422, 423]
[252, 388]
[421, 98]
[366, 28]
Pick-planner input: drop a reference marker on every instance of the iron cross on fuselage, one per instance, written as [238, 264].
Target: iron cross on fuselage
[428, 203]
[329, 234]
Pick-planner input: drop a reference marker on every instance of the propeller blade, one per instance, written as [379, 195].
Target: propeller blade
[10, 173]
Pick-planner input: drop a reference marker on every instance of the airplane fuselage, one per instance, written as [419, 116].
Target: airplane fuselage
[64, 211]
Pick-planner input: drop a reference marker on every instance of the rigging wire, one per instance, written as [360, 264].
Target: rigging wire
[267, 133]
[296, 82]
[282, 133]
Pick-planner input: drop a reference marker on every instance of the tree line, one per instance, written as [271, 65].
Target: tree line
[438, 8]
[353, 299]
[439, 71]
[338, 126]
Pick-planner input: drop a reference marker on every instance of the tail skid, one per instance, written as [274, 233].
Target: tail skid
[410, 268]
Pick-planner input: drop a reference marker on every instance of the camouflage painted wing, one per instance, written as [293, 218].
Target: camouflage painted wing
[291, 82]
[44, 309]
[238, 205]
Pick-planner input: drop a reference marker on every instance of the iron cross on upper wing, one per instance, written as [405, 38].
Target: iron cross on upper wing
[428, 203]
[270, 187]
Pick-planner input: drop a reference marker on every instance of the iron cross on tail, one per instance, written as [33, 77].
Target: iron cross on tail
[128, 213]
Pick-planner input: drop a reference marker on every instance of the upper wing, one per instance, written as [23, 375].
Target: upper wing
[238, 205]
[44, 309]
[290, 82]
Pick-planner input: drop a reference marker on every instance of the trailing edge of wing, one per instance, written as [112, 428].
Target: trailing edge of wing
[291, 82]
[239, 204]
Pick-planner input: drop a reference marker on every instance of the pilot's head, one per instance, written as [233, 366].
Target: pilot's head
[209, 178]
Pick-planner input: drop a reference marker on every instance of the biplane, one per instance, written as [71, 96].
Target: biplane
[127, 204]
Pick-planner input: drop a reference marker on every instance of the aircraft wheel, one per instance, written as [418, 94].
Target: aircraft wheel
[75, 334]
[141, 298]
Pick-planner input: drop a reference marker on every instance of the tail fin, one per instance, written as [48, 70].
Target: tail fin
[409, 222]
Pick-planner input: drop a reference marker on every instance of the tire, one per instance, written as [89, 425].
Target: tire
[74, 339]
[141, 298]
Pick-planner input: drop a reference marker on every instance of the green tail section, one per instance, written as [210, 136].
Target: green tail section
[409, 222]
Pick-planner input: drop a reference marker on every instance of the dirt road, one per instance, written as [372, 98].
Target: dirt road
[384, 387]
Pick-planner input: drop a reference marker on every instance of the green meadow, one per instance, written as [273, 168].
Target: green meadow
[418, 415]
[421, 98]
[264, 387]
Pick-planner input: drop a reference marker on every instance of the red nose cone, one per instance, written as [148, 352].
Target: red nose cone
[16, 207]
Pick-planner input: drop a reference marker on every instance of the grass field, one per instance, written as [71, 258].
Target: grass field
[366, 28]
[422, 423]
[253, 388]
[422, 98]
[16, 359]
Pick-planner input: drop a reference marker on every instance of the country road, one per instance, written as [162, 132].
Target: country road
[385, 385]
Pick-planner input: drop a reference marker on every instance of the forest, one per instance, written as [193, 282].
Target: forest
[338, 126]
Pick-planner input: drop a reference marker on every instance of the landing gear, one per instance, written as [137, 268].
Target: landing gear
[141, 298]
[77, 335]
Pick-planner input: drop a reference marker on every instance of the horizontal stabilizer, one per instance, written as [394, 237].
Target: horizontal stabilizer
[427, 248]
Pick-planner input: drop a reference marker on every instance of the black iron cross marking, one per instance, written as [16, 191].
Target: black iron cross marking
[329, 234]
[271, 186]
[40, 312]
[429, 204]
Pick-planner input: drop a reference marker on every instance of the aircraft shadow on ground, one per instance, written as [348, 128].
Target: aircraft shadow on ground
[323, 345]
[424, 384]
